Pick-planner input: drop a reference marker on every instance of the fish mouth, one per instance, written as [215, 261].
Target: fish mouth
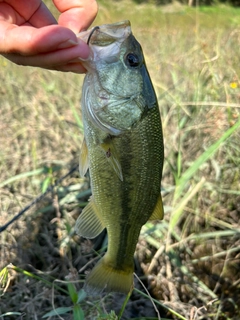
[91, 33]
[106, 34]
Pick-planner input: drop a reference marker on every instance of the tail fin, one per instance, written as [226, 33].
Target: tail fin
[105, 278]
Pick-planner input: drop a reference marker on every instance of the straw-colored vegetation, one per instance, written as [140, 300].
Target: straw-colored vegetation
[190, 262]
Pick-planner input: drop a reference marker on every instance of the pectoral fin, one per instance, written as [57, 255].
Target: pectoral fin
[83, 160]
[112, 157]
[89, 223]
[158, 212]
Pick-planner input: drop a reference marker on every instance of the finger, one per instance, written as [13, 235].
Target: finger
[42, 17]
[27, 40]
[17, 12]
[56, 60]
[71, 67]
[77, 15]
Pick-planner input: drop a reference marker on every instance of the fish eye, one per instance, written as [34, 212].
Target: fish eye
[132, 60]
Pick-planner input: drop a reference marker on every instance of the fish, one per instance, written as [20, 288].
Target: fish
[123, 150]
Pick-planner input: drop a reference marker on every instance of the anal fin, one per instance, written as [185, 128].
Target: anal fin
[89, 223]
[158, 212]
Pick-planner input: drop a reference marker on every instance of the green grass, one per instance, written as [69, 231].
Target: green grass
[189, 261]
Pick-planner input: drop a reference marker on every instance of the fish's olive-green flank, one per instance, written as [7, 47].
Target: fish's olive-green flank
[123, 148]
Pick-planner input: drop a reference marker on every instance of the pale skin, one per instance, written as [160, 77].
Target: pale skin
[31, 36]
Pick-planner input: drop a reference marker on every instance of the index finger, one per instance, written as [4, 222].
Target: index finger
[27, 40]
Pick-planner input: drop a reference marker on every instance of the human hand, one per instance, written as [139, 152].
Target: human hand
[30, 35]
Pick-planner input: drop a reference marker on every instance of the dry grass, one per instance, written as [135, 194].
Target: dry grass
[190, 261]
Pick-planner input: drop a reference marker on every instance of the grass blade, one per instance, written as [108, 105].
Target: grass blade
[201, 159]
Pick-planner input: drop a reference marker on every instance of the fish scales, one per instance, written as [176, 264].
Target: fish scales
[131, 195]
[123, 149]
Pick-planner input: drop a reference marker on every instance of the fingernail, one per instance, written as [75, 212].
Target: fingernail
[88, 58]
[67, 44]
[79, 59]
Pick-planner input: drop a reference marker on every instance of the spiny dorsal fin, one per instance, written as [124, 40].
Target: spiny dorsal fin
[89, 223]
[158, 212]
[83, 159]
[112, 157]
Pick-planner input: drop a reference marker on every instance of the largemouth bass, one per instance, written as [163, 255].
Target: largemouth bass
[123, 148]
